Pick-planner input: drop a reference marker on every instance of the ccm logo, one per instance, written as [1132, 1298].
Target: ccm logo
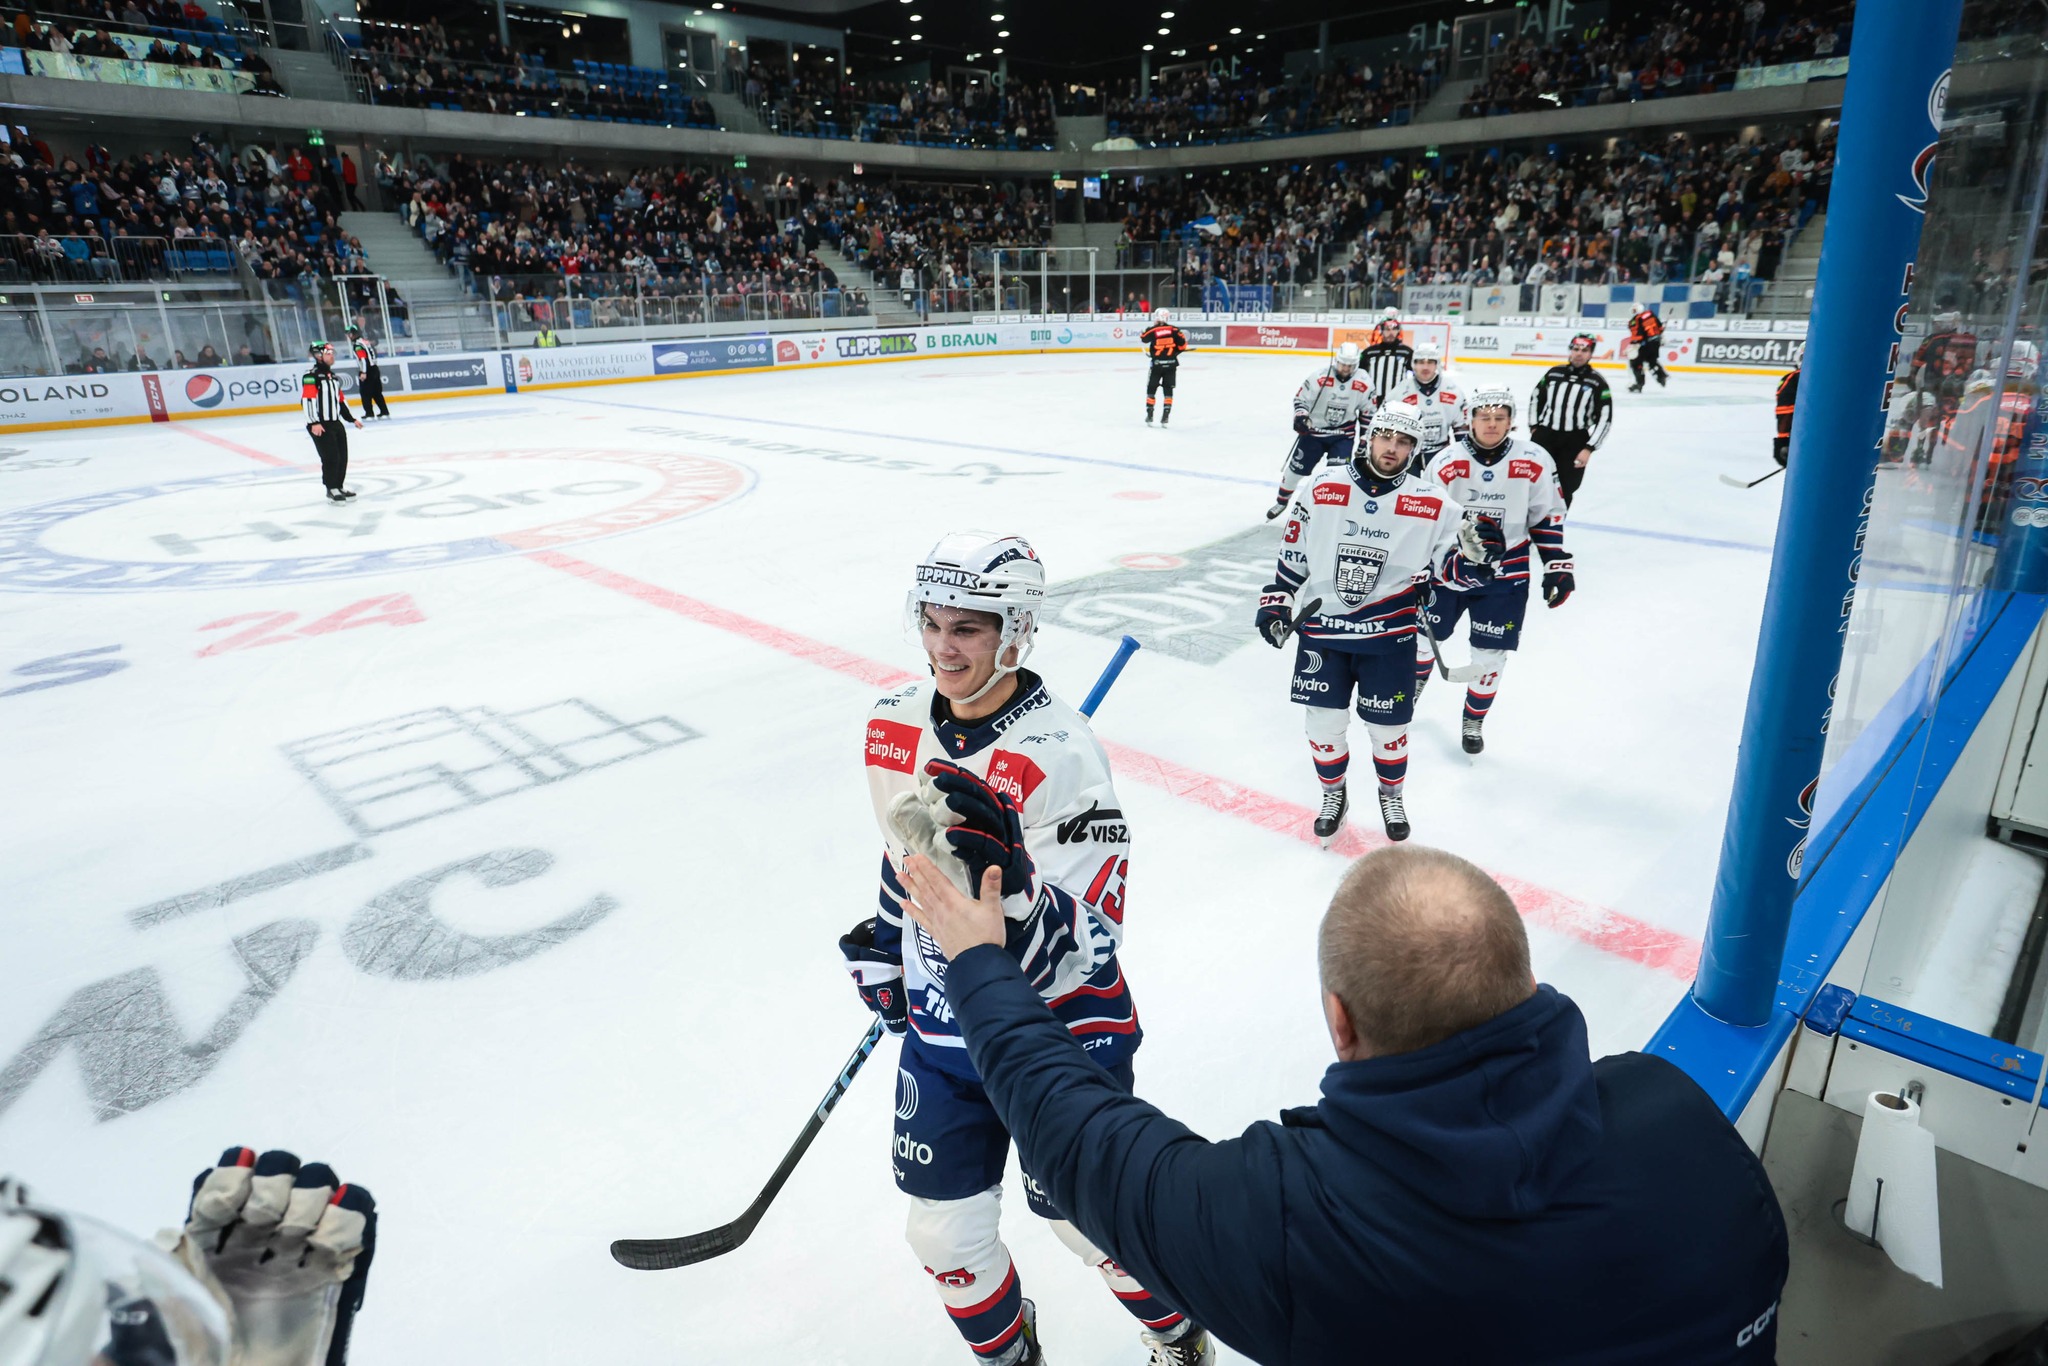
[1524, 469]
[892, 745]
[1014, 775]
[1408, 505]
[1756, 1330]
[1333, 495]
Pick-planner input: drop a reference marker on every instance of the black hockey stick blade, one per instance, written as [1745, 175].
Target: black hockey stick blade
[665, 1254]
[1732, 482]
[1308, 609]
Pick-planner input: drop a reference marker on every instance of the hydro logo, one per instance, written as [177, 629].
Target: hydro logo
[204, 391]
[920, 1153]
[1312, 661]
[906, 1095]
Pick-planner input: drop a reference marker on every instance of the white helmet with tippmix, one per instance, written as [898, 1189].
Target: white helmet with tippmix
[1491, 396]
[1429, 350]
[77, 1291]
[1398, 419]
[1347, 356]
[1159, 315]
[980, 572]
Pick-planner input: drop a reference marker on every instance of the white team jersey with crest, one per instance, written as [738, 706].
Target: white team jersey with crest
[1365, 554]
[1518, 487]
[1334, 405]
[1442, 410]
[1041, 752]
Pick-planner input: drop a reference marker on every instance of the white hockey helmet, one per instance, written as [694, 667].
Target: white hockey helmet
[1491, 396]
[982, 572]
[74, 1291]
[1346, 356]
[2025, 361]
[1398, 418]
[1391, 314]
[1160, 315]
[1429, 350]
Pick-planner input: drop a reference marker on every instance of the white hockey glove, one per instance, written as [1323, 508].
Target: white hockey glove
[289, 1246]
[919, 820]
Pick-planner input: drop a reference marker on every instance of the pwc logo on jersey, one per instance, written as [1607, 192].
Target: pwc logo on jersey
[893, 745]
[1332, 495]
[1409, 505]
[1525, 469]
[1014, 775]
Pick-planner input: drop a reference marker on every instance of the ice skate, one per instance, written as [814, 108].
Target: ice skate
[1393, 813]
[1192, 1348]
[336, 496]
[1331, 819]
[1469, 734]
[1275, 510]
[1148, 415]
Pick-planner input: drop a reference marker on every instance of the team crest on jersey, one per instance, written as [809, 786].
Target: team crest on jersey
[1524, 469]
[1333, 495]
[1409, 505]
[1014, 775]
[1358, 569]
[893, 745]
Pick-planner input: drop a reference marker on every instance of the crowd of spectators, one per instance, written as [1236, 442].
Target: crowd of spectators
[421, 66]
[813, 99]
[177, 34]
[1674, 50]
[1681, 208]
[925, 243]
[525, 235]
[1201, 106]
[92, 217]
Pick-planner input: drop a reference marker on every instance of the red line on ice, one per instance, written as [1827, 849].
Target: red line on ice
[1609, 931]
[237, 447]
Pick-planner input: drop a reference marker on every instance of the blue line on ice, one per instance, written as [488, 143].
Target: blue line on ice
[1175, 471]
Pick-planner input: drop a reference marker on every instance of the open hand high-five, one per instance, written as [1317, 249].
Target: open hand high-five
[957, 922]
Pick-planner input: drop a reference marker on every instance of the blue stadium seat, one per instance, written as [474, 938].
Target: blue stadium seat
[217, 259]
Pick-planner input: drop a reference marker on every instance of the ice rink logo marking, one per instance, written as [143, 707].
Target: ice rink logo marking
[418, 512]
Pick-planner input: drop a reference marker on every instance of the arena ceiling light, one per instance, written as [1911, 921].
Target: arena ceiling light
[915, 37]
[916, 18]
[998, 51]
[1234, 32]
[1163, 32]
[1002, 33]
[1148, 47]
[995, 18]
[1166, 14]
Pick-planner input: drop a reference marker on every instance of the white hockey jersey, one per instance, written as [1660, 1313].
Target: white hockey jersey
[1440, 406]
[1365, 548]
[1042, 753]
[1516, 484]
[1334, 405]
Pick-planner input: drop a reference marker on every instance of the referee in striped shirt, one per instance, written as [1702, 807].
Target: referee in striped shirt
[1569, 413]
[326, 410]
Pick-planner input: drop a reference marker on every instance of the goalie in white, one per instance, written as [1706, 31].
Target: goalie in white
[982, 768]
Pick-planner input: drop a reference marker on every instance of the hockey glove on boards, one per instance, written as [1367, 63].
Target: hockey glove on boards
[1558, 583]
[288, 1245]
[1275, 621]
[876, 976]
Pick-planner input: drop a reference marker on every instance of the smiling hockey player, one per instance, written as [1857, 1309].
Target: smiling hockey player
[1437, 398]
[1513, 485]
[983, 767]
[1367, 539]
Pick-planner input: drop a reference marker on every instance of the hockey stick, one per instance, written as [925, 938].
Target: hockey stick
[1308, 609]
[665, 1254]
[1732, 482]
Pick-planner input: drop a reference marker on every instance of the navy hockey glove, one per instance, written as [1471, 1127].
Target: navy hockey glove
[1481, 540]
[991, 829]
[1301, 423]
[1558, 583]
[877, 976]
[1275, 619]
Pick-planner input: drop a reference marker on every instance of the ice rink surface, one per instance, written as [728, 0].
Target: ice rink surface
[489, 836]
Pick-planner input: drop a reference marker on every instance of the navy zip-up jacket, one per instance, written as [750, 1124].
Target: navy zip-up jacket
[1497, 1197]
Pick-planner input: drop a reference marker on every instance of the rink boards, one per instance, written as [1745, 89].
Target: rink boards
[46, 403]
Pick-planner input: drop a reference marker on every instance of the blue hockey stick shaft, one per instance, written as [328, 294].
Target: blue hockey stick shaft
[1127, 647]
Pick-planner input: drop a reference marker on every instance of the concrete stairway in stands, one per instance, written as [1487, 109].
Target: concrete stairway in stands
[308, 75]
[887, 304]
[1790, 292]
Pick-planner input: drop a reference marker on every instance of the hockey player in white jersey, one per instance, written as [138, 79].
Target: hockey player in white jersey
[1328, 407]
[1512, 484]
[1438, 399]
[984, 767]
[1367, 540]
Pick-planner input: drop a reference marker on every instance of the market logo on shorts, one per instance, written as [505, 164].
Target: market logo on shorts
[877, 344]
[418, 512]
[204, 391]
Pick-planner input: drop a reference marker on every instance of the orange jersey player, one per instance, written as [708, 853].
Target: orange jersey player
[1164, 344]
